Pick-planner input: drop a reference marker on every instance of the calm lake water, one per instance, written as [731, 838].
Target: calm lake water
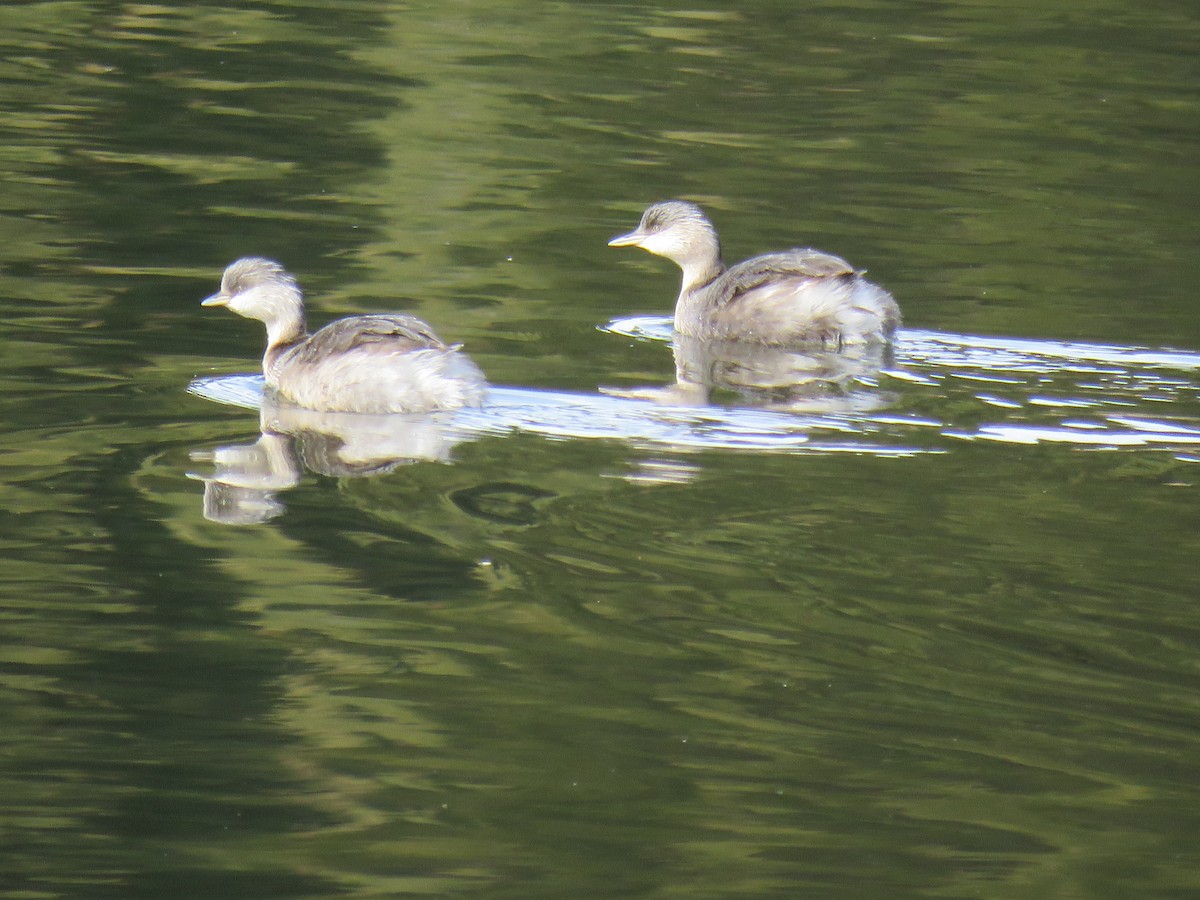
[937, 635]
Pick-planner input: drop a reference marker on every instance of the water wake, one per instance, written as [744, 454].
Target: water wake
[939, 389]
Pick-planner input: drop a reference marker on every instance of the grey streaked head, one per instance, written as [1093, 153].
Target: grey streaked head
[245, 275]
[675, 229]
[262, 289]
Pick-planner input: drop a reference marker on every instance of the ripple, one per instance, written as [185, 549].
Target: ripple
[1042, 386]
[557, 414]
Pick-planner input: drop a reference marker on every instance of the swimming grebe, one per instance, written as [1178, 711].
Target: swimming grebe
[793, 298]
[362, 364]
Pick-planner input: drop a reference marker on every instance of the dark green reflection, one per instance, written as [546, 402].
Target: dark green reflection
[534, 670]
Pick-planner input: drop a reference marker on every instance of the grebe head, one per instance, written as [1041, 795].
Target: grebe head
[676, 230]
[262, 289]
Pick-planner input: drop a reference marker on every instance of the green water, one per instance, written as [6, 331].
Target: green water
[562, 666]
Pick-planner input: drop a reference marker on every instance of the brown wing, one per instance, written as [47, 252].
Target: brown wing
[798, 263]
[381, 334]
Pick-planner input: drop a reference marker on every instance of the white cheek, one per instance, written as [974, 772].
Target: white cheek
[252, 303]
[658, 243]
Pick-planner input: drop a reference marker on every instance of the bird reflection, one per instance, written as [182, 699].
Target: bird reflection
[778, 378]
[242, 489]
[246, 478]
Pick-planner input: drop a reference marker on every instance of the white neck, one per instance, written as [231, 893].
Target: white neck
[278, 306]
[698, 272]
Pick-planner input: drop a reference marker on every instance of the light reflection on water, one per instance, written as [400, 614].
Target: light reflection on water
[1142, 386]
[1134, 382]
[796, 665]
[244, 486]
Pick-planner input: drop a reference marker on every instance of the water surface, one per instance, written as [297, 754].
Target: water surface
[640, 650]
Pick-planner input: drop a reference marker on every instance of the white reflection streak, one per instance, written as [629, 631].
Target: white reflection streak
[923, 360]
